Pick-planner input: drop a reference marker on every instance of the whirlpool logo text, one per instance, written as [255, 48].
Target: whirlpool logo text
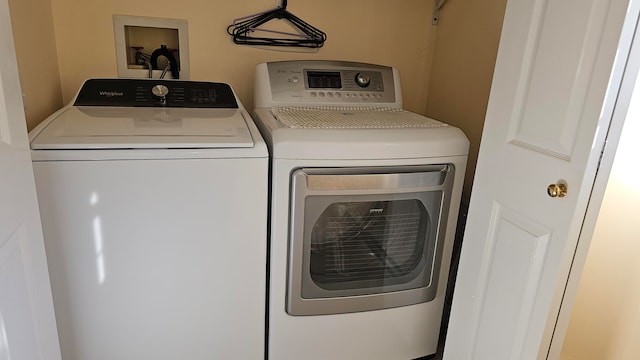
[111, 93]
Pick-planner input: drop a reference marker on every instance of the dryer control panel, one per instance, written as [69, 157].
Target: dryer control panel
[156, 93]
[328, 82]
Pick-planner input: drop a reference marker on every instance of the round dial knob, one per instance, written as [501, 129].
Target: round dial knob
[160, 90]
[362, 79]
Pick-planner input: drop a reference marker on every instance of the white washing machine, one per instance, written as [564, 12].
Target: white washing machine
[365, 200]
[153, 197]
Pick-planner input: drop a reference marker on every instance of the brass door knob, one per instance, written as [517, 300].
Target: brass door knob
[557, 190]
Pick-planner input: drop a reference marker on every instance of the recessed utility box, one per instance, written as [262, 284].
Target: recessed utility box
[143, 43]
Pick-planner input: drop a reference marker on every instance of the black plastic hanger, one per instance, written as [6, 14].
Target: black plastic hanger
[243, 30]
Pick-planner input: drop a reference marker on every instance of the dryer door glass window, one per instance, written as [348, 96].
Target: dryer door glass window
[370, 244]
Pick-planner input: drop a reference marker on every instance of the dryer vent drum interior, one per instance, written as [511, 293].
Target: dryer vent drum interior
[371, 243]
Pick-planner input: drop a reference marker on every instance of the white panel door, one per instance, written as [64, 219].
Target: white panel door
[558, 68]
[27, 323]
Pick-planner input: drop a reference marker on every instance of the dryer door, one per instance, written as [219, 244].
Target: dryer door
[366, 238]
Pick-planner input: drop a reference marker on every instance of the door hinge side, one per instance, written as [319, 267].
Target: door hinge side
[604, 146]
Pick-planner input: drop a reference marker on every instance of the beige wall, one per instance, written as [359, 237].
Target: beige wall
[605, 322]
[395, 33]
[464, 57]
[32, 24]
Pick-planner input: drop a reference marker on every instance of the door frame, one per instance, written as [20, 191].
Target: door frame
[29, 330]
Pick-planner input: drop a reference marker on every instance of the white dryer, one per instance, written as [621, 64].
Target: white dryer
[153, 198]
[365, 200]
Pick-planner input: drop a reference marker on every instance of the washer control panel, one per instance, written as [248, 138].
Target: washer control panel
[331, 82]
[155, 93]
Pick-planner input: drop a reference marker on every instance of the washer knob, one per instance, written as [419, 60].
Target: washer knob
[362, 79]
[160, 91]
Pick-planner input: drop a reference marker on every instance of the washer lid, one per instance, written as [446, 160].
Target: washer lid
[80, 127]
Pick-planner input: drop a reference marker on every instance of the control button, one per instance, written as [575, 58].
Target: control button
[338, 95]
[314, 94]
[330, 94]
[295, 79]
[363, 80]
[321, 94]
